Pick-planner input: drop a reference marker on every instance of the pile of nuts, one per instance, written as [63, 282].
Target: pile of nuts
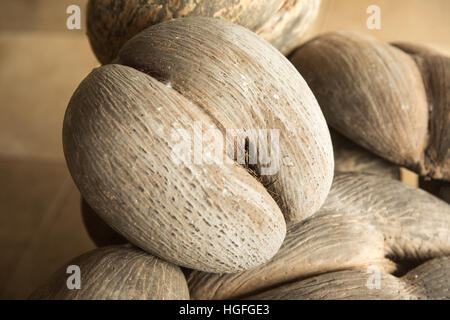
[207, 168]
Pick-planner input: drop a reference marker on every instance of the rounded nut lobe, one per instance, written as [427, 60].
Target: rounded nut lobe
[111, 23]
[340, 285]
[430, 280]
[243, 82]
[349, 157]
[367, 220]
[118, 142]
[116, 273]
[435, 70]
[370, 92]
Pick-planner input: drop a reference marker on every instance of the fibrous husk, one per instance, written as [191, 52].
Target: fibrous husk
[116, 273]
[366, 221]
[435, 70]
[430, 280]
[111, 23]
[349, 157]
[394, 103]
[118, 143]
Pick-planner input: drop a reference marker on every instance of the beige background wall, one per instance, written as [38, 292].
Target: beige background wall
[422, 21]
[41, 63]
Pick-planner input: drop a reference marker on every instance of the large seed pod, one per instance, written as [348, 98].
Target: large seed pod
[349, 157]
[117, 273]
[340, 285]
[366, 220]
[111, 23]
[100, 233]
[430, 280]
[119, 144]
[243, 82]
[435, 70]
[118, 147]
[373, 93]
[214, 217]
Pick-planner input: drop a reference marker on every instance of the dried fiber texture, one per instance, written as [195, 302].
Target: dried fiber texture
[389, 102]
[117, 273]
[340, 285]
[100, 233]
[243, 82]
[111, 23]
[216, 217]
[117, 142]
[435, 70]
[430, 280]
[366, 220]
[286, 27]
[349, 157]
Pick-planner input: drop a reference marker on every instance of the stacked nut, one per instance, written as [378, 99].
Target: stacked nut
[256, 219]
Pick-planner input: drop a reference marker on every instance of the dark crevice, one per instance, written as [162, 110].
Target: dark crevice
[294, 280]
[405, 265]
[253, 169]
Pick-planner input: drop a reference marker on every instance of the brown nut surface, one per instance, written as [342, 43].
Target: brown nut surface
[430, 280]
[435, 70]
[388, 101]
[118, 144]
[117, 273]
[366, 220]
[111, 23]
[349, 157]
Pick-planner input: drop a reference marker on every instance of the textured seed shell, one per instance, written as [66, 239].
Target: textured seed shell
[117, 139]
[370, 92]
[243, 82]
[414, 224]
[349, 157]
[286, 28]
[435, 70]
[340, 285]
[111, 23]
[431, 280]
[117, 273]
[100, 233]
[366, 220]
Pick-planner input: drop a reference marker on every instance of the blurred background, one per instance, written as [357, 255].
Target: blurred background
[41, 64]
